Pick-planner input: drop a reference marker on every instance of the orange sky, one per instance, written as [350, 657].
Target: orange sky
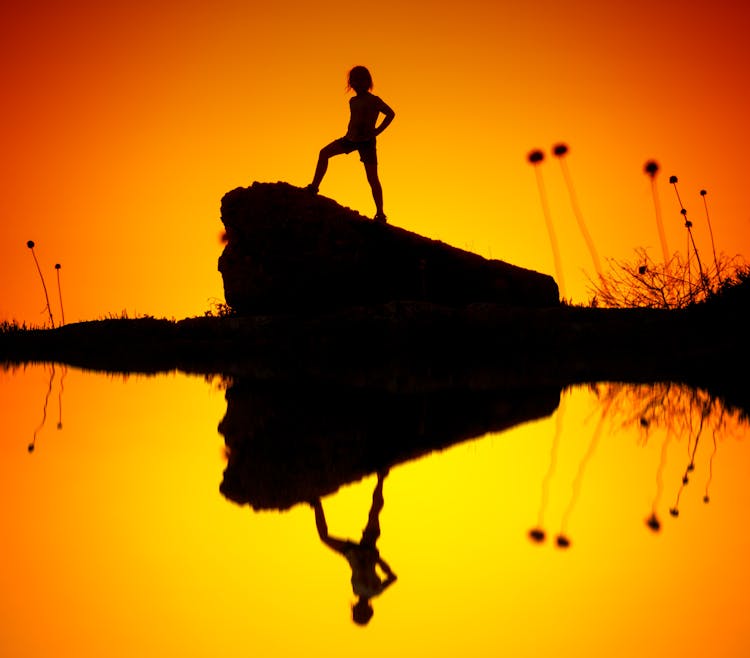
[123, 124]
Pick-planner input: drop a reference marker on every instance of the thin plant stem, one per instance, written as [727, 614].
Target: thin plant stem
[579, 217]
[59, 293]
[651, 169]
[710, 231]
[30, 245]
[535, 157]
[691, 240]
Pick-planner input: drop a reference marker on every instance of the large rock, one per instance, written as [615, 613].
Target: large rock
[289, 249]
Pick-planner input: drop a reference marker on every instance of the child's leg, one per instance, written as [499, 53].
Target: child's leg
[371, 169]
[334, 148]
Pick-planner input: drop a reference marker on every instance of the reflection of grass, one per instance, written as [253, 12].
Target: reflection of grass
[668, 406]
[681, 412]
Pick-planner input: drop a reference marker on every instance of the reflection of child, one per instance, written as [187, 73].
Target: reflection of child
[363, 557]
[365, 109]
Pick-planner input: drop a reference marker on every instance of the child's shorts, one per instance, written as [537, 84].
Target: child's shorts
[367, 150]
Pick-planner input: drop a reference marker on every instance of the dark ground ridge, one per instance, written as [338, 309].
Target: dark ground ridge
[416, 345]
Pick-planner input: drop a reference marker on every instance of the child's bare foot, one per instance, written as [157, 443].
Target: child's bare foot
[380, 217]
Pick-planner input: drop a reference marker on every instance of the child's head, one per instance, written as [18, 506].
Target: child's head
[360, 79]
[362, 611]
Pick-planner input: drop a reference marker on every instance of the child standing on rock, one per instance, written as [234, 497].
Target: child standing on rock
[360, 136]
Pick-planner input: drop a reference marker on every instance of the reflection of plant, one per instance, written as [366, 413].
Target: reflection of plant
[681, 412]
[669, 406]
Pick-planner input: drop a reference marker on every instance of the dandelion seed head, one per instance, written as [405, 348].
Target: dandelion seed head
[706, 499]
[560, 149]
[535, 156]
[57, 266]
[673, 179]
[703, 192]
[683, 211]
[674, 511]
[651, 168]
[688, 224]
[30, 244]
[642, 270]
[562, 541]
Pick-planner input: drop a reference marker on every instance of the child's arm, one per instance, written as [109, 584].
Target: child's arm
[388, 115]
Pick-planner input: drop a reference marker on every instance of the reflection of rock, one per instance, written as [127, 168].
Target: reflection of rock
[288, 445]
[288, 249]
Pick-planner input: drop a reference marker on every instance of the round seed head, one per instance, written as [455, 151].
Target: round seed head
[560, 149]
[57, 266]
[30, 244]
[651, 167]
[537, 535]
[653, 523]
[703, 192]
[536, 156]
[673, 179]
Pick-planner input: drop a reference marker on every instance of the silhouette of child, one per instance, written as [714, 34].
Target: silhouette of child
[363, 557]
[360, 136]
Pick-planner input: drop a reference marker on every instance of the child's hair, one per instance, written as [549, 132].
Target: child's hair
[359, 79]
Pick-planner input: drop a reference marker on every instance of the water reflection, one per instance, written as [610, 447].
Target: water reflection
[288, 445]
[363, 556]
[537, 533]
[679, 412]
[140, 482]
[52, 373]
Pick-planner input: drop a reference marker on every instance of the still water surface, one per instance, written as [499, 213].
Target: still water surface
[117, 540]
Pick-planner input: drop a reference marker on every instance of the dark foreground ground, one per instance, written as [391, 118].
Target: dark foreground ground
[316, 401]
[412, 345]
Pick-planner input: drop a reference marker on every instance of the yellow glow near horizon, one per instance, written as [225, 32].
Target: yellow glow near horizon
[124, 125]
